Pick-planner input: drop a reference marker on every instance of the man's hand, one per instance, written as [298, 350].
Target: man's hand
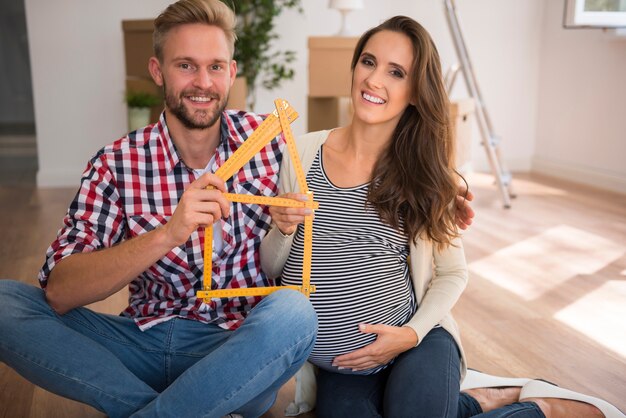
[287, 219]
[464, 212]
[197, 207]
[84, 278]
[390, 342]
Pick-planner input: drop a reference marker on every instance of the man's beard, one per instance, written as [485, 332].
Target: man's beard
[200, 119]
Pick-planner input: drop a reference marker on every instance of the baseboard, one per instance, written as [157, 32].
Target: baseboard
[18, 146]
[26, 128]
[602, 179]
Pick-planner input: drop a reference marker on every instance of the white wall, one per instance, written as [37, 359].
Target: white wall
[581, 133]
[503, 39]
[77, 63]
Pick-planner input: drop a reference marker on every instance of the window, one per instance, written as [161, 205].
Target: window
[595, 13]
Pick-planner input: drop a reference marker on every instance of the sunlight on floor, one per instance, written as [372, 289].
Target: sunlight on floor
[536, 265]
[520, 186]
[600, 315]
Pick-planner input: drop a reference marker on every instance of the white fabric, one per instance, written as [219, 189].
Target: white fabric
[218, 242]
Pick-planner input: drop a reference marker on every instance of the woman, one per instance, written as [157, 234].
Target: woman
[387, 260]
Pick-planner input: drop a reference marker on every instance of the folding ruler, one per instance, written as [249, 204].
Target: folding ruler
[277, 121]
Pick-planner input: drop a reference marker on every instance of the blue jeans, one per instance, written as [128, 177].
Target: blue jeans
[179, 368]
[469, 407]
[421, 382]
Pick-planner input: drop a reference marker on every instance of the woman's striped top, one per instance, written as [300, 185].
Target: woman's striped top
[359, 267]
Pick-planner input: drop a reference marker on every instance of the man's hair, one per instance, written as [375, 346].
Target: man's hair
[210, 12]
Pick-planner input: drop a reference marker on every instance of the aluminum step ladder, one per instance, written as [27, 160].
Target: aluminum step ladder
[490, 140]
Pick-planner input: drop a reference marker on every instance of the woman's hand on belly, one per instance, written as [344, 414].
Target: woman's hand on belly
[390, 342]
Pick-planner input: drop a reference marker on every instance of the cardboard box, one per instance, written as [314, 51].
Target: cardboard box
[329, 65]
[328, 112]
[461, 112]
[137, 46]
[237, 96]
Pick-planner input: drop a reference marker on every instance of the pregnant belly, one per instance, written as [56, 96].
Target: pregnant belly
[336, 337]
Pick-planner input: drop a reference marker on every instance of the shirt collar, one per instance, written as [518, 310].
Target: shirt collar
[227, 133]
[171, 155]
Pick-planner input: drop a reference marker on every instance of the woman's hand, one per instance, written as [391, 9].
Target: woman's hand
[287, 219]
[390, 342]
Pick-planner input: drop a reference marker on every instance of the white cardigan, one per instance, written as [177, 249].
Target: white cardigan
[439, 277]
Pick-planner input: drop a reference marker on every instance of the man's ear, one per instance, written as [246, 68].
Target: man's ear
[154, 67]
[233, 72]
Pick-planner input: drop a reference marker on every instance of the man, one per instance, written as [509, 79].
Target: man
[138, 220]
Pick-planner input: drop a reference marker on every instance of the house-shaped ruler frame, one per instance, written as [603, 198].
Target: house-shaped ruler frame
[277, 121]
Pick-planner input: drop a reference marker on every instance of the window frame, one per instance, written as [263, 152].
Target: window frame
[575, 16]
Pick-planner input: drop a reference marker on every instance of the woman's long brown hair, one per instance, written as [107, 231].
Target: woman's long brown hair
[414, 184]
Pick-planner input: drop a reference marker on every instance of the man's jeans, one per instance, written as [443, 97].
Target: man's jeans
[179, 368]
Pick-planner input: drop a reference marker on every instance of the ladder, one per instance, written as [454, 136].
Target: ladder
[490, 140]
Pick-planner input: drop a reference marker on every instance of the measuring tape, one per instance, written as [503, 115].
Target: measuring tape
[262, 135]
[279, 120]
[304, 188]
[247, 291]
[270, 201]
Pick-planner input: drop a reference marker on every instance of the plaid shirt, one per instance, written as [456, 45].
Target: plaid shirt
[133, 186]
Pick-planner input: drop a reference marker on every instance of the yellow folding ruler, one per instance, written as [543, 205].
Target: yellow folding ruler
[277, 121]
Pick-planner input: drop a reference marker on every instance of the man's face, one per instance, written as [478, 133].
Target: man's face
[196, 74]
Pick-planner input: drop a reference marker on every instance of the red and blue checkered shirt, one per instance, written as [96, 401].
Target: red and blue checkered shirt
[133, 186]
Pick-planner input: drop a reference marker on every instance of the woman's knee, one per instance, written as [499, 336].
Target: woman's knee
[339, 406]
[436, 359]
[340, 395]
[425, 378]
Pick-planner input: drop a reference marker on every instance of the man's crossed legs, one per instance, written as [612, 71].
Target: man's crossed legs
[176, 368]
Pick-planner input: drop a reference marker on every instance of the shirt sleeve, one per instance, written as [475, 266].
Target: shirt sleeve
[94, 220]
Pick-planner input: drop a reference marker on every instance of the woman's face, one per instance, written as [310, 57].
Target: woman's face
[381, 84]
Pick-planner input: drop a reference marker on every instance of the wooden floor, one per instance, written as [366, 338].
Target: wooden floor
[547, 296]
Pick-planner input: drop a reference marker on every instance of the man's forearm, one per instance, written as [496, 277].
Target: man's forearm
[84, 278]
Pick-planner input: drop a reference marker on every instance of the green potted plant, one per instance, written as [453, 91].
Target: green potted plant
[139, 106]
[256, 62]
